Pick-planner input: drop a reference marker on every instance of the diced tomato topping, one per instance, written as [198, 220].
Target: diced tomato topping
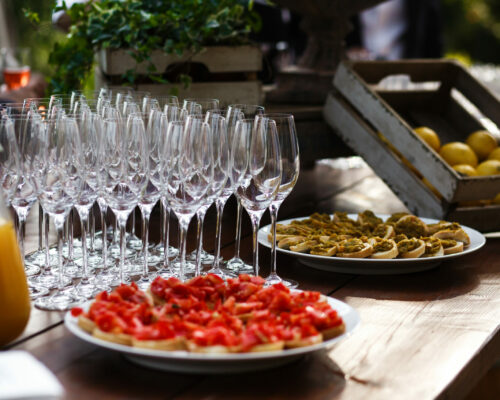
[240, 312]
[76, 311]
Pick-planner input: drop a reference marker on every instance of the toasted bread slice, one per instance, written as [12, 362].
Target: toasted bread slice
[274, 346]
[384, 231]
[354, 248]
[323, 250]
[438, 226]
[411, 226]
[218, 349]
[411, 248]
[120, 338]
[86, 324]
[330, 333]
[163, 344]
[433, 247]
[367, 217]
[451, 246]
[303, 342]
[384, 248]
[456, 234]
[304, 246]
[291, 241]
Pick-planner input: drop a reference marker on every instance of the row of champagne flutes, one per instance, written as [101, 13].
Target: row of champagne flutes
[131, 150]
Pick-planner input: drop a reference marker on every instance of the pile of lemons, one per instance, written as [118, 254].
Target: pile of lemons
[478, 156]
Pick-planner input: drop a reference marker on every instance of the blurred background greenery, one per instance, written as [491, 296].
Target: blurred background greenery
[471, 30]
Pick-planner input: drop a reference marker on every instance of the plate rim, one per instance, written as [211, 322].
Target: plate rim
[473, 233]
[345, 310]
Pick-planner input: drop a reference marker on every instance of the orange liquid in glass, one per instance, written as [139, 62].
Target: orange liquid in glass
[14, 294]
[16, 78]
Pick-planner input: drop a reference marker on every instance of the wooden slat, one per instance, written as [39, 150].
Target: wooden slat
[357, 134]
[216, 59]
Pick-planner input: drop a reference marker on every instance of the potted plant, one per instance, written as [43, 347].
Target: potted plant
[158, 44]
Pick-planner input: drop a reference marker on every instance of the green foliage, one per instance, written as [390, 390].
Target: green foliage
[142, 26]
[472, 29]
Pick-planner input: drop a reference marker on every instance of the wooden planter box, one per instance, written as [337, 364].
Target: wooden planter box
[232, 72]
[358, 111]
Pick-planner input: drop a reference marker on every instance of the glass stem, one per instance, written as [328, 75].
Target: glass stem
[145, 240]
[84, 217]
[71, 237]
[40, 227]
[239, 217]
[162, 225]
[183, 224]
[200, 216]
[123, 226]
[22, 223]
[104, 236]
[59, 222]
[166, 230]
[273, 210]
[255, 228]
[46, 223]
[219, 204]
[92, 229]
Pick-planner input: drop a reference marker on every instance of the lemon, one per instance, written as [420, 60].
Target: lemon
[496, 200]
[489, 167]
[429, 136]
[458, 153]
[495, 154]
[465, 169]
[482, 142]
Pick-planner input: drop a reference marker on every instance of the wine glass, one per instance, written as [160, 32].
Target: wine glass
[29, 138]
[124, 154]
[235, 113]
[222, 184]
[151, 194]
[60, 185]
[199, 105]
[90, 125]
[260, 184]
[189, 167]
[290, 167]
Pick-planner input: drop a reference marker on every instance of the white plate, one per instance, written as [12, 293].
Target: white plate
[370, 266]
[196, 363]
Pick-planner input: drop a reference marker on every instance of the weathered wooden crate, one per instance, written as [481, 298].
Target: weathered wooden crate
[358, 111]
[230, 72]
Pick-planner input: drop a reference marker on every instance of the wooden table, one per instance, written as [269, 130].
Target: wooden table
[426, 335]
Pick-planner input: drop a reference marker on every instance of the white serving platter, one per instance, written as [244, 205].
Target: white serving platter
[197, 363]
[370, 266]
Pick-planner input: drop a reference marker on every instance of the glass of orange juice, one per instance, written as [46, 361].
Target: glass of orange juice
[16, 67]
[14, 293]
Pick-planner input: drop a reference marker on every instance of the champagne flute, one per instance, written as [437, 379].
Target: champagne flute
[125, 159]
[236, 112]
[189, 164]
[290, 167]
[60, 185]
[260, 184]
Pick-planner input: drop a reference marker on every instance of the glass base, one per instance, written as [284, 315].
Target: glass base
[172, 251]
[144, 283]
[37, 291]
[48, 281]
[87, 290]
[220, 272]
[205, 257]
[31, 270]
[60, 301]
[274, 279]
[72, 270]
[238, 266]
